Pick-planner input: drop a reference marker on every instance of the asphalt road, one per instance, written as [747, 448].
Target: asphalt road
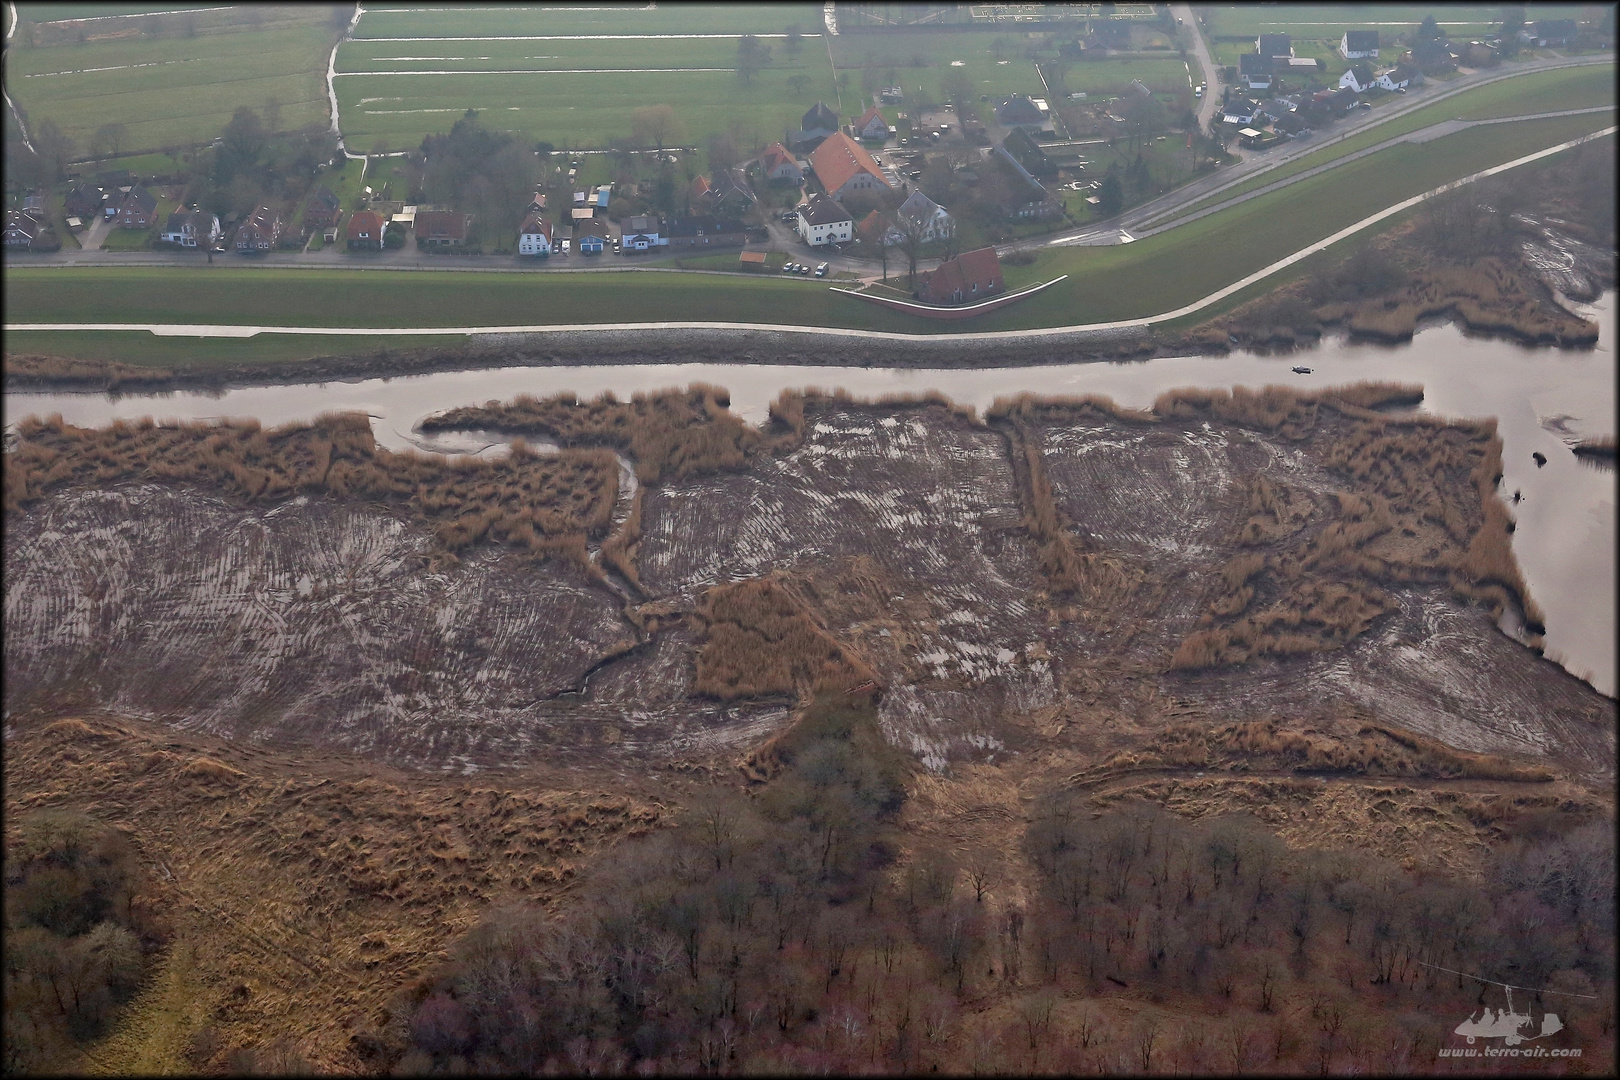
[1206, 64]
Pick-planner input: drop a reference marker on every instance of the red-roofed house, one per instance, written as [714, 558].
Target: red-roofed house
[972, 275]
[844, 167]
[875, 228]
[366, 229]
[698, 193]
[259, 233]
[780, 165]
[534, 236]
[871, 125]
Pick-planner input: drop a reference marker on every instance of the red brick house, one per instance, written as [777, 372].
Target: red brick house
[259, 233]
[137, 209]
[323, 210]
[972, 275]
[366, 229]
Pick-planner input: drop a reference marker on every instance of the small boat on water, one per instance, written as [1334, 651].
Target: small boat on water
[1302, 371]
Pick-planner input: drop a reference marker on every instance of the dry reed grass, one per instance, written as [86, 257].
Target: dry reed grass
[1422, 507]
[1269, 746]
[619, 550]
[1601, 448]
[101, 374]
[671, 434]
[544, 504]
[1071, 569]
[759, 640]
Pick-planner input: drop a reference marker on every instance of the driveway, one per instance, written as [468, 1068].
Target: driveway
[95, 234]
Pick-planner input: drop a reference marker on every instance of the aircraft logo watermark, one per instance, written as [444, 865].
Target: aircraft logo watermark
[1513, 1025]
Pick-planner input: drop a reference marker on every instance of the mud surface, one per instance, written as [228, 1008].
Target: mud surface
[902, 529]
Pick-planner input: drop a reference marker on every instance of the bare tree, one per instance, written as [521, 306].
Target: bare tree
[656, 124]
[108, 140]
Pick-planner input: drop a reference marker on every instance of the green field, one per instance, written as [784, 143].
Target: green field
[1539, 91]
[45, 12]
[175, 91]
[622, 19]
[576, 111]
[1332, 20]
[1121, 282]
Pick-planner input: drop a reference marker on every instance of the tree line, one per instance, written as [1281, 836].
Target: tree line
[780, 928]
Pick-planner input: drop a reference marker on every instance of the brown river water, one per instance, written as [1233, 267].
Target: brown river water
[1544, 400]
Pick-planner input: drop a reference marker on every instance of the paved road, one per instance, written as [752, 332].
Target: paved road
[1125, 227]
[231, 331]
[1206, 63]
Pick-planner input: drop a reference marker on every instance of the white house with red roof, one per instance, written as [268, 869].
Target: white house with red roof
[534, 236]
[871, 125]
[844, 167]
[778, 164]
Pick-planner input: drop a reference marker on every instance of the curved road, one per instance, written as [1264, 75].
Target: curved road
[1206, 63]
[223, 330]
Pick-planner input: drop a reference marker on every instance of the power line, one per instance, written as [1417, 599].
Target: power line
[1510, 986]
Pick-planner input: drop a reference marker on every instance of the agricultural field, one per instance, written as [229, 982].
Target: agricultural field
[1332, 20]
[387, 21]
[171, 90]
[574, 78]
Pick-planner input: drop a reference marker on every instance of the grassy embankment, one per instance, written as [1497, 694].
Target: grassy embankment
[1122, 282]
[173, 90]
[1541, 91]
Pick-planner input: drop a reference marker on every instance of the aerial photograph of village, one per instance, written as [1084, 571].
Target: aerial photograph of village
[843, 538]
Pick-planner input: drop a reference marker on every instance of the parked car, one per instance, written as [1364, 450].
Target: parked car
[1198, 91]
[788, 268]
[821, 271]
[804, 268]
[565, 246]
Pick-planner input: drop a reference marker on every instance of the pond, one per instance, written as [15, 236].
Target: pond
[1544, 401]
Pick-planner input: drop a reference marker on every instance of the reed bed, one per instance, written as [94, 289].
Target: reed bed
[102, 374]
[1370, 749]
[760, 641]
[671, 434]
[1276, 511]
[1064, 409]
[544, 504]
[1599, 449]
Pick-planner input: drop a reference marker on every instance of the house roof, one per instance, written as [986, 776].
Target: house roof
[730, 182]
[1275, 45]
[534, 223]
[441, 224]
[700, 187]
[1363, 74]
[324, 197]
[1141, 88]
[868, 116]
[140, 199]
[1018, 109]
[1402, 73]
[22, 222]
[1555, 28]
[873, 225]
[776, 155]
[263, 218]
[839, 159]
[819, 118]
[918, 210]
[1360, 40]
[978, 267]
[1254, 64]
[365, 221]
[823, 211]
[752, 257]
[703, 226]
[642, 223]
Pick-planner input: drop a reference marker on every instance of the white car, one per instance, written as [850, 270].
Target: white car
[821, 271]
[565, 246]
[1198, 91]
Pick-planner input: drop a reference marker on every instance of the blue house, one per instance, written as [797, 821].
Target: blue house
[589, 242]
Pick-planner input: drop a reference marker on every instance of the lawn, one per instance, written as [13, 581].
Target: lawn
[1122, 282]
[59, 12]
[174, 91]
[667, 55]
[616, 20]
[1332, 20]
[1539, 91]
